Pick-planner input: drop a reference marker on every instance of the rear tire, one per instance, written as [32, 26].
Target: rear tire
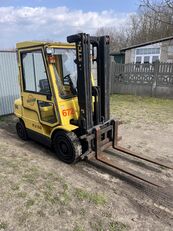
[67, 146]
[21, 130]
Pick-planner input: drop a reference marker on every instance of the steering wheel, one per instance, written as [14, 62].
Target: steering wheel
[72, 88]
[67, 77]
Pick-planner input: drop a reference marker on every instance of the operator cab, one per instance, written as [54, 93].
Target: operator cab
[48, 80]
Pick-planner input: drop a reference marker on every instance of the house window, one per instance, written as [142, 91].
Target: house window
[138, 59]
[146, 59]
[155, 58]
[147, 55]
[147, 51]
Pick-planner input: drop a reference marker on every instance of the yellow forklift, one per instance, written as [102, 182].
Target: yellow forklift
[61, 106]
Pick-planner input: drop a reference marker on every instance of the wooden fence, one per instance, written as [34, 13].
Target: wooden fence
[142, 79]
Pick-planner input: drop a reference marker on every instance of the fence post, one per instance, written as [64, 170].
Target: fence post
[111, 77]
[154, 83]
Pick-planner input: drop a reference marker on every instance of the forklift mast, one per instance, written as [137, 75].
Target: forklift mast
[98, 47]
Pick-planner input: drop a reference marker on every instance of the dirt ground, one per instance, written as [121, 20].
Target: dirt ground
[38, 192]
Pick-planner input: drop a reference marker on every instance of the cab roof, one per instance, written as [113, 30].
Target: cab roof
[29, 44]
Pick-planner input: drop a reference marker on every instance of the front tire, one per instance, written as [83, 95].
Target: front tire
[21, 130]
[67, 146]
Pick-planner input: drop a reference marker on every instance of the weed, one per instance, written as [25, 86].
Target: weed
[107, 214]
[55, 199]
[24, 216]
[97, 226]
[51, 176]
[98, 199]
[78, 228]
[49, 186]
[22, 194]
[1, 119]
[30, 203]
[15, 187]
[41, 213]
[65, 186]
[92, 197]
[117, 226]
[64, 196]
[12, 164]
[81, 194]
[47, 196]
[3, 225]
[83, 212]
[31, 176]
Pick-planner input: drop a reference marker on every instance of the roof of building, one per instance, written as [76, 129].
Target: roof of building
[10, 51]
[116, 53]
[147, 43]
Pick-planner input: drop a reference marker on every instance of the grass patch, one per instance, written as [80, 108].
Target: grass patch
[9, 164]
[41, 213]
[132, 109]
[3, 225]
[97, 226]
[51, 177]
[62, 197]
[82, 212]
[22, 194]
[117, 226]
[91, 197]
[24, 217]
[78, 228]
[31, 175]
[29, 178]
[2, 119]
[15, 187]
[29, 203]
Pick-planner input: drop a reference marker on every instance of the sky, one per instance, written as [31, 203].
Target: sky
[55, 20]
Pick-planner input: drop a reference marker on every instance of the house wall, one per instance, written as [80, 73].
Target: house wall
[130, 56]
[167, 51]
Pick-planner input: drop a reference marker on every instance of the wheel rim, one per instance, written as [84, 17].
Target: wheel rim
[64, 149]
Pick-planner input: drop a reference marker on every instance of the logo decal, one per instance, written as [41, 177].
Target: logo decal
[31, 100]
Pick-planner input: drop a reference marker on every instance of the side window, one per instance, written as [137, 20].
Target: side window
[155, 58]
[34, 72]
[138, 59]
[146, 59]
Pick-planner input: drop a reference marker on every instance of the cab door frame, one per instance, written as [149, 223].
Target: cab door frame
[30, 99]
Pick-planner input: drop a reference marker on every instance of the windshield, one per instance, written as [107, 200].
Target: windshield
[65, 71]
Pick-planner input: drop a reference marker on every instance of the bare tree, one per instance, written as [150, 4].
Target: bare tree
[154, 20]
[118, 38]
[163, 11]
